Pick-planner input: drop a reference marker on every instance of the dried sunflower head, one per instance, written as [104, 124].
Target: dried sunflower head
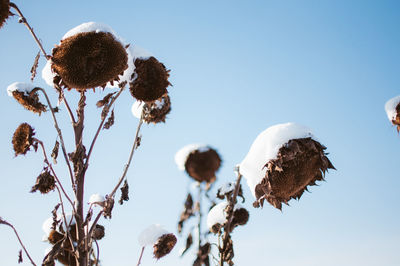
[153, 112]
[98, 232]
[26, 95]
[4, 11]
[282, 162]
[23, 139]
[150, 79]
[164, 245]
[202, 165]
[392, 108]
[45, 182]
[240, 217]
[89, 60]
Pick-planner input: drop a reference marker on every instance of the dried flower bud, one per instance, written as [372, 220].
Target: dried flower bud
[240, 217]
[164, 245]
[89, 60]
[98, 232]
[23, 139]
[153, 112]
[4, 11]
[202, 165]
[45, 182]
[150, 80]
[392, 108]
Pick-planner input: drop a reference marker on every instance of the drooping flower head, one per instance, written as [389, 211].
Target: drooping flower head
[218, 217]
[153, 112]
[392, 108]
[4, 11]
[201, 162]
[282, 162]
[23, 139]
[24, 94]
[150, 80]
[88, 56]
[161, 240]
[45, 182]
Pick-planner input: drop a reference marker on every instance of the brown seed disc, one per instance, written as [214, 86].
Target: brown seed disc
[202, 165]
[4, 11]
[22, 139]
[89, 60]
[164, 245]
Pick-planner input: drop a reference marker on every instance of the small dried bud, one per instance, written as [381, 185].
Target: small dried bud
[164, 245]
[45, 182]
[4, 11]
[108, 207]
[150, 80]
[23, 139]
[98, 232]
[89, 60]
[240, 217]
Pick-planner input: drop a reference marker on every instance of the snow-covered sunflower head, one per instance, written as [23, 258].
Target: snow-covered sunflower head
[392, 108]
[89, 56]
[200, 162]
[4, 11]
[150, 80]
[161, 240]
[26, 95]
[23, 139]
[282, 162]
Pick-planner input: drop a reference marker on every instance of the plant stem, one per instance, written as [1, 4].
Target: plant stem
[200, 214]
[59, 134]
[134, 146]
[227, 227]
[140, 258]
[19, 239]
[23, 20]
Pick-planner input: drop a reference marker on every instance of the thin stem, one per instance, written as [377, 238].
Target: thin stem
[231, 205]
[52, 170]
[98, 252]
[67, 225]
[62, 96]
[106, 111]
[140, 258]
[23, 20]
[19, 239]
[60, 135]
[134, 146]
[200, 214]
[94, 224]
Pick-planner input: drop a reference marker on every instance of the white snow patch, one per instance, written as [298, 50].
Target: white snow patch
[266, 147]
[46, 226]
[137, 108]
[182, 155]
[47, 74]
[226, 188]
[21, 87]
[218, 215]
[89, 27]
[96, 199]
[151, 234]
[390, 107]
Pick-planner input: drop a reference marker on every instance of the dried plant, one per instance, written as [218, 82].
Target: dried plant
[88, 57]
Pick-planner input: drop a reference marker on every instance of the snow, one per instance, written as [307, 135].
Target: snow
[137, 108]
[390, 107]
[266, 147]
[47, 74]
[46, 226]
[218, 215]
[89, 27]
[151, 234]
[182, 155]
[96, 199]
[226, 188]
[21, 87]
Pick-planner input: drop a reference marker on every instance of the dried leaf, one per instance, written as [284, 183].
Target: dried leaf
[20, 259]
[105, 100]
[35, 66]
[54, 215]
[108, 207]
[110, 121]
[124, 193]
[54, 153]
[189, 242]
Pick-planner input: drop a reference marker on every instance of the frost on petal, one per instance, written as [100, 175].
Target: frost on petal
[151, 234]
[266, 147]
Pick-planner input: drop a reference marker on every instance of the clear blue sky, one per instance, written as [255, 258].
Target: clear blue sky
[237, 67]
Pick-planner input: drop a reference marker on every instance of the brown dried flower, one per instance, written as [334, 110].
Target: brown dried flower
[29, 101]
[203, 255]
[156, 111]
[89, 60]
[396, 121]
[300, 163]
[150, 80]
[23, 139]
[240, 217]
[98, 232]
[4, 11]
[203, 164]
[164, 245]
[55, 236]
[45, 182]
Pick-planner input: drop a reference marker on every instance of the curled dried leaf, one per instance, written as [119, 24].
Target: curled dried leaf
[189, 242]
[35, 66]
[20, 259]
[105, 100]
[110, 121]
[124, 193]
[54, 153]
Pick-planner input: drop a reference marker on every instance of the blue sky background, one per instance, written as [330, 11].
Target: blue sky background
[237, 67]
